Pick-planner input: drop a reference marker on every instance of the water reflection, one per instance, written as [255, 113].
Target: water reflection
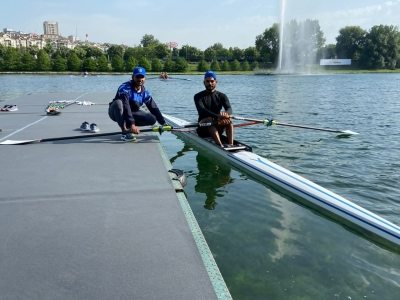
[213, 175]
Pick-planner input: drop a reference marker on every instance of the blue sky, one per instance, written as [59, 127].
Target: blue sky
[234, 23]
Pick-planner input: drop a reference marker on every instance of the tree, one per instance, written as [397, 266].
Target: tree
[202, 66]
[217, 47]
[2, 50]
[63, 51]
[149, 52]
[224, 54]
[181, 65]
[382, 47]
[137, 52]
[350, 42]
[254, 65]
[130, 64]
[59, 64]
[91, 51]
[115, 50]
[235, 65]
[215, 65]
[267, 44]
[190, 53]
[48, 47]
[156, 65]
[10, 59]
[327, 52]
[175, 51]
[117, 64]
[33, 50]
[128, 53]
[89, 64]
[251, 53]
[27, 62]
[43, 62]
[245, 66]
[148, 39]
[225, 66]
[144, 62]
[73, 62]
[102, 64]
[80, 52]
[162, 51]
[210, 54]
[169, 66]
[237, 53]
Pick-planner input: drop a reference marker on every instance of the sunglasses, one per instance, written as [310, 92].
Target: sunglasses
[139, 76]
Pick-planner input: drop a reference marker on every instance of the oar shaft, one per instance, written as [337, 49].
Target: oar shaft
[83, 136]
[306, 127]
[272, 122]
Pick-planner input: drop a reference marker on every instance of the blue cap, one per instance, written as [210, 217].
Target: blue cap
[210, 74]
[139, 71]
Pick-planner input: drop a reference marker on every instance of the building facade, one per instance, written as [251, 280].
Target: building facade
[50, 27]
[18, 39]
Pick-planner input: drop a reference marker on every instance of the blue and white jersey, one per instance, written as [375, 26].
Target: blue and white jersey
[133, 100]
[136, 100]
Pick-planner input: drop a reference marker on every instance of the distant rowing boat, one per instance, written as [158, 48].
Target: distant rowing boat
[243, 157]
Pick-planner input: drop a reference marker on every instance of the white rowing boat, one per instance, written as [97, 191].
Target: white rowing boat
[320, 197]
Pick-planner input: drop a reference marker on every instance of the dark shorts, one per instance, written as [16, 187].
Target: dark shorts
[203, 131]
[142, 118]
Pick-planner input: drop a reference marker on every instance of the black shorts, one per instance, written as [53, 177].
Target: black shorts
[203, 131]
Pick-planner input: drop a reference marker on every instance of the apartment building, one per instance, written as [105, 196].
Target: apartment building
[50, 27]
[18, 39]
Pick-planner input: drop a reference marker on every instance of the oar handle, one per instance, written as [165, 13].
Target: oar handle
[265, 122]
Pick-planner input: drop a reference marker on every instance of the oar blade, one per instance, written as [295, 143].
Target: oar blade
[349, 132]
[13, 142]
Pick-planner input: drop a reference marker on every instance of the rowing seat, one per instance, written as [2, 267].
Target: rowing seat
[234, 147]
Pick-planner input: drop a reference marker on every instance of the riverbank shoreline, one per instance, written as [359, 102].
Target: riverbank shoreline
[381, 71]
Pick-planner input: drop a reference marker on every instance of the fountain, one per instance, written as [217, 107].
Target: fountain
[282, 21]
[298, 44]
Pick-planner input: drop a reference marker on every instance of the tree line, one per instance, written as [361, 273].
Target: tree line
[303, 43]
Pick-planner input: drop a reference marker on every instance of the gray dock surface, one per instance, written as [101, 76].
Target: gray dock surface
[95, 218]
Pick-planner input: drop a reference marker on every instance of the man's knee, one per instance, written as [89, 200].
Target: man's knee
[115, 111]
[151, 119]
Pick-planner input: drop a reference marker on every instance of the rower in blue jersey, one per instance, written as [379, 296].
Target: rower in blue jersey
[125, 107]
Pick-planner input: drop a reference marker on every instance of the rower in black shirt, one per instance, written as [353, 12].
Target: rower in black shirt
[209, 104]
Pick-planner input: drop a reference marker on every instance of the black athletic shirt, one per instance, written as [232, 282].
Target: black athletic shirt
[210, 104]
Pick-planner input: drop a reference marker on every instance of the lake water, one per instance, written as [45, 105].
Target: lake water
[267, 245]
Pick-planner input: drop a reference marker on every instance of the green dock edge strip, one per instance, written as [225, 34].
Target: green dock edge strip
[216, 278]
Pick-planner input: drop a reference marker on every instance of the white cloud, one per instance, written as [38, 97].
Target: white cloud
[366, 17]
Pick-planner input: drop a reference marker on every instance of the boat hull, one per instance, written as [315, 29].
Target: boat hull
[303, 188]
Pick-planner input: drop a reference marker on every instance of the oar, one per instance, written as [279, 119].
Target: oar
[179, 78]
[272, 122]
[159, 129]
